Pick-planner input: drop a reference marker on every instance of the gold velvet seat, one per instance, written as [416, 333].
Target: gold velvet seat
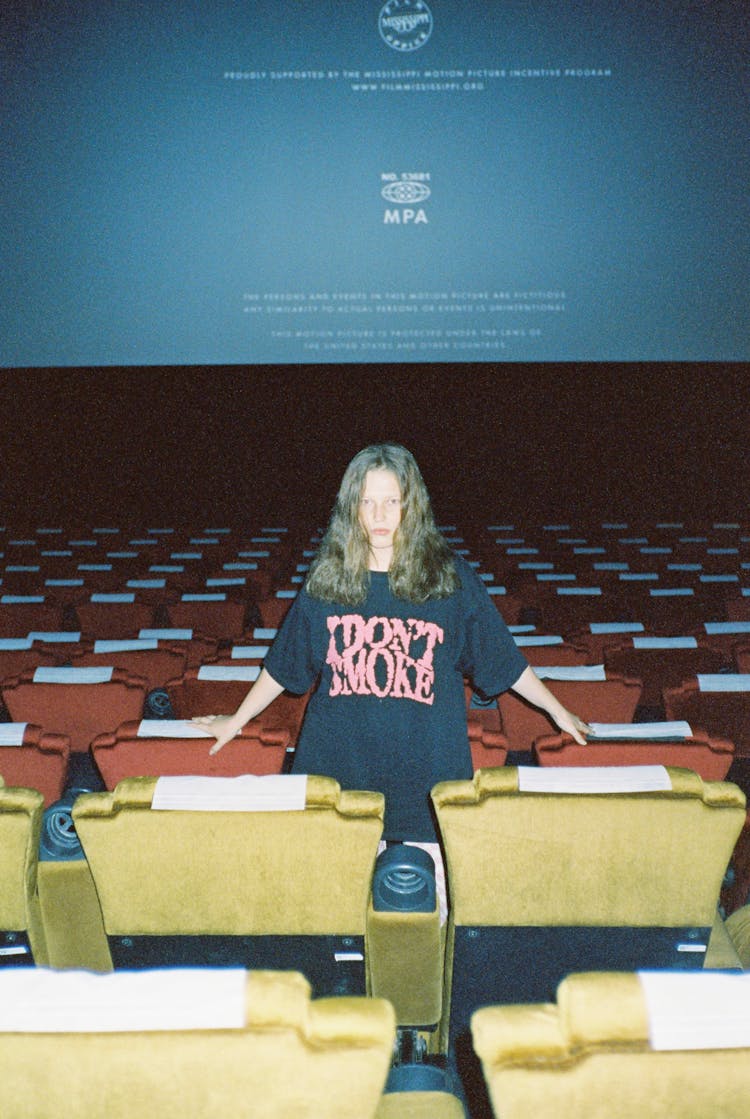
[544, 883]
[285, 888]
[22, 939]
[270, 1052]
[589, 1054]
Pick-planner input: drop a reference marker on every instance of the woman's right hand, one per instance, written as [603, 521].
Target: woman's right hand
[223, 727]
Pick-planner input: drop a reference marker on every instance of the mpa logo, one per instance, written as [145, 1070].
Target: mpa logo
[405, 25]
[407, 192]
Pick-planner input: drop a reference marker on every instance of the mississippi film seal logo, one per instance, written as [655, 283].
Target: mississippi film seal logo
[405, 25]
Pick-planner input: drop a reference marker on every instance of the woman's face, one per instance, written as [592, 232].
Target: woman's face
[380, 514]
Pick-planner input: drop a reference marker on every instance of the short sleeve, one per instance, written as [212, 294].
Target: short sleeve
[489, 655]
[292, 659]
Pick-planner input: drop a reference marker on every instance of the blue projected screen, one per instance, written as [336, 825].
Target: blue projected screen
[414, 180]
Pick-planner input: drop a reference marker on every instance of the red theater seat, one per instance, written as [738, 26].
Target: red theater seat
[217, 615]
[725, 713]
[34, 759]
[708, 756]
[158, 748]
[20, 614]
[659, 665]
[610, 700]
[220, 689]
[155, 661]
[17, 654]
[78, 702]
[115, 616]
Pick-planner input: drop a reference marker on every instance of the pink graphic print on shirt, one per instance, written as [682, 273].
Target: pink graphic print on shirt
[382, 657]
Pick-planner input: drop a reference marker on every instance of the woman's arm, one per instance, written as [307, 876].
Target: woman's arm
[530, 687]
[226, 727]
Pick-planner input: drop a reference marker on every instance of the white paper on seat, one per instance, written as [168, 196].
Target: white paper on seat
[616, 627]
[73, 675]
[244, 652]
[264, 634]
[697, 1010]
[227, 581]
[13, 644]
[277, 792]
[649, 731]
[55, 636]
[19, 599]
[724, 681]
[286, 594]
[537, 639]
[113, 597]
[11, 734]
[171, 728]
[146, 584]
[579, 590]
[571, 672]
[166, 634]
[229, 672]
[130, 646]
[726, 627]
[665, 643]
[674, 592]
[594, 779]
[37, 1000]
[203, 598]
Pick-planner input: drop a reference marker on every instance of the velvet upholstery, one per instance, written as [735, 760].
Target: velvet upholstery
[589, 1055]
[294, 1057]
[242, 873]
[20, 826]
[40, 762]
[707, 755]
[637, 860]
[191, 696]
[81, 711]
[405, 964]
[156, 666]
[613, 700]
[126, 754]
[720, 713]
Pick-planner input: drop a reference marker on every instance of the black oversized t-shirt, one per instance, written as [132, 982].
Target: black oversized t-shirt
[389, 710]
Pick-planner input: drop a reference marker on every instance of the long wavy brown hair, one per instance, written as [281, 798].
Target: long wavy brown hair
[422, 566]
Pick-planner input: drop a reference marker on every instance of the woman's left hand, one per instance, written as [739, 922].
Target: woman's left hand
[572, 725]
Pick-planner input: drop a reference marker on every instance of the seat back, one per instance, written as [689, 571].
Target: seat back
[224, 883]
[613, 699]
[217, 689]
[661, 663]
[606, 1048]
[550, 879]
[160, 747]
[251, 1043]
[77, 702]
[33, 759]
[22, 939]
[672, 744]
[724, 712]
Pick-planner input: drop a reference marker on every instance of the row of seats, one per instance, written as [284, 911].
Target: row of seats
[613, 1043]
[547, 871]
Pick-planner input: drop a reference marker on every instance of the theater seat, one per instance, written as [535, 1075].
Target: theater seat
[178, 1043]
[157, 747]
[661, 662]
[642, 744]
[219, 689]
[113, 616]
[77, 702]
[586, 690]
[216, 614]
[34, 759]
[283, 884]
[22, 940]
[549, 879]
[619, 1044]
[157, 662]
[718, 703]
